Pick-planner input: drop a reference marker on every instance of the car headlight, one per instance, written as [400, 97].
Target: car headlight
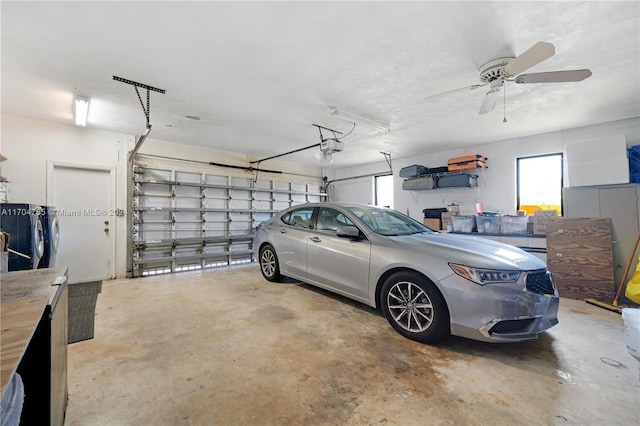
[485, 276]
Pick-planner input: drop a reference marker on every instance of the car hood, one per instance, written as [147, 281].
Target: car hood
[470, 251]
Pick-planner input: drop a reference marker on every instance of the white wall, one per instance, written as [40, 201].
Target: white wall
[293, 172]
[497, 185]
[29, 144]
[356, 190]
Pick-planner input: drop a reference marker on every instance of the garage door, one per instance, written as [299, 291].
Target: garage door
[184, 220]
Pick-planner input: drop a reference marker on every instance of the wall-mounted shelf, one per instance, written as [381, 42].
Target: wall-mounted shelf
[441, 181]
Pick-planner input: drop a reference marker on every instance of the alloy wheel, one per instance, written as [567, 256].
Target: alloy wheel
[268, 262]
[410, 307]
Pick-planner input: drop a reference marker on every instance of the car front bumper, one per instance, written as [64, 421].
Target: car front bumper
[498, 312]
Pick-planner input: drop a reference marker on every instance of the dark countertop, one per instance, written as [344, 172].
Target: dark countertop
[33, 283]
[24, 295]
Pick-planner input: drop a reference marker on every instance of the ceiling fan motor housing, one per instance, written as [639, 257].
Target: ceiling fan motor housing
[494, 70]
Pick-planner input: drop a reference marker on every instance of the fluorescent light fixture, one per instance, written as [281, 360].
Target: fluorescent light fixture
[82, 110]
[359, 119]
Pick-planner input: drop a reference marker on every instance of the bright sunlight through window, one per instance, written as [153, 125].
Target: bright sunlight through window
[540, 183]
[384, 191]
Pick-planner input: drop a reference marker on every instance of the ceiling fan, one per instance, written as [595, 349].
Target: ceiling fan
[497, 71]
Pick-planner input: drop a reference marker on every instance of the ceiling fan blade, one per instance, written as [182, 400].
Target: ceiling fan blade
[553, 77]
[489, 101]
[530, 57]
[453, 92]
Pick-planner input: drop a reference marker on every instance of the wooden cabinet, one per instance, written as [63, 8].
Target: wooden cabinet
[42, 359]
[580, 256]
[620, 203]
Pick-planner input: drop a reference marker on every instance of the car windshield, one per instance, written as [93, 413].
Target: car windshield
[388, 222]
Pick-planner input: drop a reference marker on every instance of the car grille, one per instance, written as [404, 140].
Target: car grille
[511, 326]
[539, 283]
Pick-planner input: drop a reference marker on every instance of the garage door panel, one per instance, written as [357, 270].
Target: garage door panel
[207, 219]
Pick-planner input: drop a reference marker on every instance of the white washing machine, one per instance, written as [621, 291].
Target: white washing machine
[23, 223]
[51, 228]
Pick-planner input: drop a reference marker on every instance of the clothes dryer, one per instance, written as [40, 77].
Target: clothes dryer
[24, 225]
[51, 228]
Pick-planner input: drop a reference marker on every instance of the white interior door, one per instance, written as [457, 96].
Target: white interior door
[84, 197]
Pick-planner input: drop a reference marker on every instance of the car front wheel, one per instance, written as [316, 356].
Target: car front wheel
[269, 264]
[414, 307]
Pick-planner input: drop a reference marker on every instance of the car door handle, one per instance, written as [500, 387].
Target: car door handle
[315, 239]
[283, 231]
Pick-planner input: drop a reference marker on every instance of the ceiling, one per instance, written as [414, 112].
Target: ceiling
[259, 74]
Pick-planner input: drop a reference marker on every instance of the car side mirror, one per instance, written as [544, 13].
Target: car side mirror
[348, 232]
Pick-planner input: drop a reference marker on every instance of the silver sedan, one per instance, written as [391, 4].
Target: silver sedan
[428, 284]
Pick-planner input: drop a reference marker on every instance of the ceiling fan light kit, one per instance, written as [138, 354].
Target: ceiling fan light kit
[497, 71]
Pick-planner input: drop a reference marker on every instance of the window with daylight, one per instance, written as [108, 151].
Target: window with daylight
[539, 183]
[384, 191]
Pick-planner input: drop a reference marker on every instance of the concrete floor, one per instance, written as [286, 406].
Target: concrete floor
[226, 347]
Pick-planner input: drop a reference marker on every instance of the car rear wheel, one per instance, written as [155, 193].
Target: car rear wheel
[414, 307]
[269, 264]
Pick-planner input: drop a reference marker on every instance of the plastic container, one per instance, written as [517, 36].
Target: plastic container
[514, 224]
[463, 223]
[488, 224]
[631, 318]
[433, 213]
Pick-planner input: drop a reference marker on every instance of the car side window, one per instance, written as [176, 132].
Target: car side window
[300, 218]
[331, 219]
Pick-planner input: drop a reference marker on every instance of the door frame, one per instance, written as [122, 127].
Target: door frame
[52, 165]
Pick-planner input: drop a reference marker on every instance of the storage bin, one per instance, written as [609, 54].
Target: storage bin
[464, 223]
[413, 171]
[514, 224]
[631, 318]
[433, 213]
[462, 180]
[424, 182]
[441, 169]
[488, 224]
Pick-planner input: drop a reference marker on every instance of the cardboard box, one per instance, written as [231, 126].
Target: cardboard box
[447, 219]
[434, 224]
[546, 213]
[541, 219]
